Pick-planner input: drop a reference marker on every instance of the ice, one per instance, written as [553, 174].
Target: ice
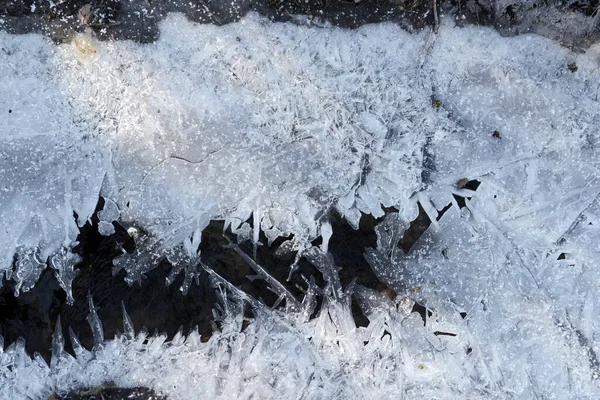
[96, 324]
[277, 121]
[49, 165]
[58, 345]
[128, 328]
[273, 356]
[274, 285]
[525, 337]
[278, 355]
[281, 354]
[64, 261]
[306, 118]
[106, 216]
[540, 174]
[284, 124]
[28, 269]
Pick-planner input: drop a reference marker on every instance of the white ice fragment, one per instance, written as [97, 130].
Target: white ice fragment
[133, 232]
[275, 286]
[389, 232]
[148, 252]
[128, 328]
[587, 317]
[180, 260]
[372, 302]
[110, 211]
[64, 261]
[95, 324]
[58, 344]
[326, 233]
[81, 352]
[28, 269]
[243, 233]
[429, 209]
[440, 198]
[106, 228]
[324, 263]
[255, 231]
[287, 247]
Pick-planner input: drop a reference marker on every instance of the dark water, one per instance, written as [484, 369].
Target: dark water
[153, 305]
[138, 19]
[160, 308]
[164, 309]
[110, 394]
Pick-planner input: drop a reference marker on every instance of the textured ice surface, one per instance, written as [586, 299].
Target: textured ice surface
[286, 122]
[50, 163]
[215, 122]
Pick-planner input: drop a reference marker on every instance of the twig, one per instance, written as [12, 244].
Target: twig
[436, 21]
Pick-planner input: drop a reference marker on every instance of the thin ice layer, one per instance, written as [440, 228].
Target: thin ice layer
[278, 120]
[526, 123]
[51, 166]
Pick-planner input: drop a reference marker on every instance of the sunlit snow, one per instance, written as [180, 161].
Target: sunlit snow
[285, 123]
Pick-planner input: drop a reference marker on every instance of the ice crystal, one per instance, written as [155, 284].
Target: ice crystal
[286, 123]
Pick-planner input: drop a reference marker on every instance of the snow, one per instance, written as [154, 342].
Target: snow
[286, 122]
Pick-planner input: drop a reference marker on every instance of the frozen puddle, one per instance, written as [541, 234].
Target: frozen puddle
[285, 123]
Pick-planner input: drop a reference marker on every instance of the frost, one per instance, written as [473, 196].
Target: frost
[278, 121]
[186, 258]
[285, 124]
[528, 352]
[49, 165]
[274, 285]
[523, 337]
[96, 324]
[105, 228]
[306, 118]
[146, 255]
